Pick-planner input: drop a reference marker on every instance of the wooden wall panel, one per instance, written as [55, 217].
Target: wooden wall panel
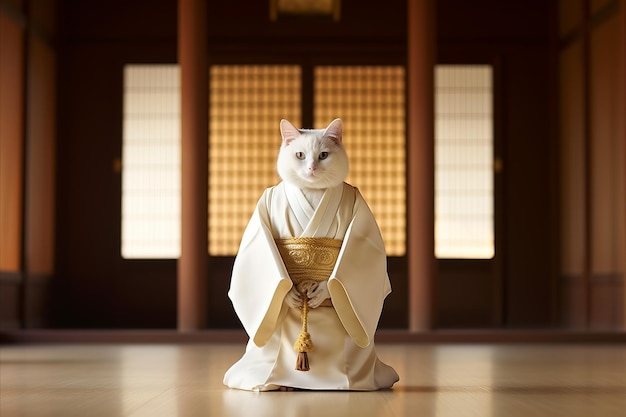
[604, 124]
[11, 142]
[527, 157]
[573, 301]
[41, 157]
[570, 16]
[40, 189]
[11, 168]
[606, 302]
[572, 160]
[592, 142]
[597, 5]
[573, 247]
[10, 309]
[607, 187]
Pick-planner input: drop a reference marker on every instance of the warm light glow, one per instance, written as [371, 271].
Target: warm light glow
[370, 101]
[151, 162]
[464, 181]
[247, 104]
[305, 8]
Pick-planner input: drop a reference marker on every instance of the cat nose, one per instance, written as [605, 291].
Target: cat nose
[312, 168]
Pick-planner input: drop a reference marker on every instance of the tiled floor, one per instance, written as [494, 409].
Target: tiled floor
[435, 380]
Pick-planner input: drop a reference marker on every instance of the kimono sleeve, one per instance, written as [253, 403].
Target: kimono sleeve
[359, 283]
[259, 280]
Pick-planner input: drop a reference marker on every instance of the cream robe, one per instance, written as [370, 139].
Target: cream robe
[344, 357]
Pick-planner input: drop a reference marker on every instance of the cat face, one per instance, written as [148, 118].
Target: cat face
[313, 159]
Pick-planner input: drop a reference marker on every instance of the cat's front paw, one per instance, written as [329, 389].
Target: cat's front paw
[293, 298]
[318, 294]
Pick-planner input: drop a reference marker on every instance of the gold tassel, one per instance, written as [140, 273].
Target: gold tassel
[302, 362]
[304, 344]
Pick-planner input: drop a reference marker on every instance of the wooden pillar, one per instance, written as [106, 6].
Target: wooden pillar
[192, 265]
[422, 41]
[622, 78]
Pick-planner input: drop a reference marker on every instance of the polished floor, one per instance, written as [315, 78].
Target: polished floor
[435, 380]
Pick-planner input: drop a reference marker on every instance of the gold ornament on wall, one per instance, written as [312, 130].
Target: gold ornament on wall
[305, 8]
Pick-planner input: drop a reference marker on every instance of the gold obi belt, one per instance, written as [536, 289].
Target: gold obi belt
[309, 260]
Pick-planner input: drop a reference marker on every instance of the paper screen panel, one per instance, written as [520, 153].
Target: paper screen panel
[464, 204]
[151, 162]
[247, 104]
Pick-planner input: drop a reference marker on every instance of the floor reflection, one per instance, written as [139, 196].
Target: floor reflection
[304, 403]
[435, 380]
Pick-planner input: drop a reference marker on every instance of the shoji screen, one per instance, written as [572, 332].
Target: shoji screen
[464, 182]
[247, 104]
[151, 162]
[371, 102]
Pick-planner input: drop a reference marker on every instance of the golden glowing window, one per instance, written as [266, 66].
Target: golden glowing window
[464, 204]
[371, 102]
[151, 162]
[247, 104]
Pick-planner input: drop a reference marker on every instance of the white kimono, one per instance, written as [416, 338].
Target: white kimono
[344, 357]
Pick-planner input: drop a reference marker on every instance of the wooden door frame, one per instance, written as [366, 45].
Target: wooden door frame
[496, 315]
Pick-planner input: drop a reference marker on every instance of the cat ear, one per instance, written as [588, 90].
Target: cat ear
[288, 131]
[334, 131]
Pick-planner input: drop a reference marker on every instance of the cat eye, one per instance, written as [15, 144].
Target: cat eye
[300, 155]
[323, 155]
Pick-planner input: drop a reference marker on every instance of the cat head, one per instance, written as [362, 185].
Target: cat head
[312, 158]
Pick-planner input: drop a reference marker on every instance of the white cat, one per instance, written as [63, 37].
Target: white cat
[310, 277]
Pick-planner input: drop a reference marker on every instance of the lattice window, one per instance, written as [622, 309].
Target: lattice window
[464, 181]
[247, 104]
[371, 102]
